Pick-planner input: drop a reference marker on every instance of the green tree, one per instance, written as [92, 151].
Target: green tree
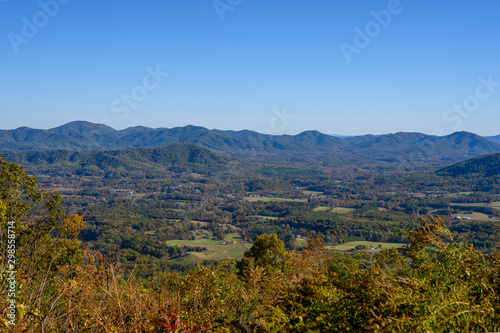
[268, 251]
[37, 242]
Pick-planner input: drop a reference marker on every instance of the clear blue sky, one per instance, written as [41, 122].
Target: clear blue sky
[237, 65]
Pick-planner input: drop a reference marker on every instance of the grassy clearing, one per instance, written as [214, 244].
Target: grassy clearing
[352, 245]
[217, 251]
[263, 198]
[138, 195]
[457, 194]
[233, 237]
[203, 234]
[186, 259]
[322, 209]
[495, 204]
[477, 217]
[265, 217]
[201, 223]
[231, 247]
[342, 210]
[312, 192]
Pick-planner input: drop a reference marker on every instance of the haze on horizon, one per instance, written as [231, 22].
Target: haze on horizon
[343, 68]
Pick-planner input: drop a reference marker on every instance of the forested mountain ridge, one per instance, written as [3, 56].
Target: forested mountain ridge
[81, 135]
[488, 165]
[85, 135]
[174, 157]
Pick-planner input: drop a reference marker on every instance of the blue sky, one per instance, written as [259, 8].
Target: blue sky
[346, 66]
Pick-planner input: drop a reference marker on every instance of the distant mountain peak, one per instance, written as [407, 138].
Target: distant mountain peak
[82, 125]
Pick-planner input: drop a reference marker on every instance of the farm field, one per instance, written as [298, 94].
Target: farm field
[341, 210]
[265, 217]
[477, 216]
[232, 246]
[263, 198]
[322, 209]
[352, 245]
[189, 259]
[201, 223]
[458, 194]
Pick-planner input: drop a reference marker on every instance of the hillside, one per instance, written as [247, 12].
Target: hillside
[395, 141]
[174, 157]
[74, 135]
[488, 165]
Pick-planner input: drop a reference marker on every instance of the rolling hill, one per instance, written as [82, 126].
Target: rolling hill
[175, 157]
[488, 166]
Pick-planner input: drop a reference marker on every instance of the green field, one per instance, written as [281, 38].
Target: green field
[457, 194]
[189, 259]
[265, 217]
[263, 198]
[232, 246]
[352, 245]
[341, 210]
[477, 216]
[322, 209]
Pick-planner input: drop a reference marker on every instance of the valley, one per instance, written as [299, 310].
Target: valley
[179, 205]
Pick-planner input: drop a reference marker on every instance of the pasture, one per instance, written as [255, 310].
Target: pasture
[232, 246]
[352, 245]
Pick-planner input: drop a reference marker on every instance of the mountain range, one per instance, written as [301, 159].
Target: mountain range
[418, 147]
